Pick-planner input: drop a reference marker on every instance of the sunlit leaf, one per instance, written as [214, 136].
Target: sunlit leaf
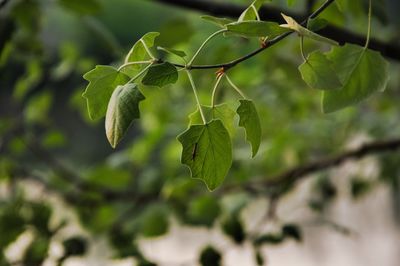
[138, 51]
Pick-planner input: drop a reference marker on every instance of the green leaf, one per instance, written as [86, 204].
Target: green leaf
[361, 71]
[256, 29]
[302, 31]
[204, 210]
[102, 82]
[160, 75]
[318, 72]
[251, 13]
[179, 53]
[221, 111]
[221, 22]
[154, 221]
[138, 51]
[207, 151]
[122, 109]
[250, 121]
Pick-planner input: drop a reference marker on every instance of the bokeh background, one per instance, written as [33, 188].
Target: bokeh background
[68, 198]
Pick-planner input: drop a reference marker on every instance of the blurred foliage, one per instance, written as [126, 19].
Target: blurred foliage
[49, 148]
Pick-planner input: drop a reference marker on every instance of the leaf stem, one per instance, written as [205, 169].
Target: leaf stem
[214, 93]
[196, 96]
[369, 24]
[147, 49]
[133, 63]
[302, 49]
[256, 12]
[204, 44]
[139, 74]
[235, 87]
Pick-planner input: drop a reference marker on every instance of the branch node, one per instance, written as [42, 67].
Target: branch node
[220, 72]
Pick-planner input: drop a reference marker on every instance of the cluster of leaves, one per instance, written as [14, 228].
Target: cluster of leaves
[347, 75]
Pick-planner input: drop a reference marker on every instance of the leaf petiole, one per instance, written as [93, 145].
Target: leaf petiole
[235, 87]
[140, 73]
[204, 44]
[369, 24]
[196, 96]
[147, 49]
[302, 49]
[133, 63]
[214, 92]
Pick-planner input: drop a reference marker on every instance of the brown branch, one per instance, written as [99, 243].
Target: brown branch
[300, 172]
[271, 13]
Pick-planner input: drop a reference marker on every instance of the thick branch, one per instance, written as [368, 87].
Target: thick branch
[302, 171]
[271, 13]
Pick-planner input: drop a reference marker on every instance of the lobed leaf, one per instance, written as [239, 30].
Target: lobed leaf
[318, 72]
[360, 70]
[207, 151]
[102, 82]
[250, 121]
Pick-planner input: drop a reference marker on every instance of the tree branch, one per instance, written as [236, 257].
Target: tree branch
[271, 13]
[300, 172]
